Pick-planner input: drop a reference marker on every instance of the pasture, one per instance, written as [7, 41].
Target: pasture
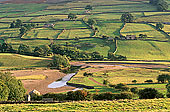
[86, 106]
[144, 50]
[8, 61]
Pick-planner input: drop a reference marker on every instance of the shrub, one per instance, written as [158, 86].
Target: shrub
[105, 81]
[104, 96]
[134, 81]
[134, 90]
[125, 95]
[149, 93]
[55, 96]
[168, 95]
[79, 95]
[149, 81]
[122, 87]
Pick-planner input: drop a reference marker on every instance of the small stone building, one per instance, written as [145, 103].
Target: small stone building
[130, 37]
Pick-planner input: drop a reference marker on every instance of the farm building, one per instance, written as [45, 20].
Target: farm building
[49, 25]
[130, 37]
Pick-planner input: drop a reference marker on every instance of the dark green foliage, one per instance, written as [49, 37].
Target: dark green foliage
[79, 95]
[124, 95]
[104, 96]
[60, 62]
[89, 7]
[24, 49]
[75, 54]
[91, 22]
[149, 81]
[87, 74]
[122, 87]
[23, 30]
[142, 36]
[6, 48]
[71, 69]
[127, 18]
[134, 81]
[163, 78]
[16, 89]
[4, 91]
[72, 16]
[149, 93]
[55, 96]
[168, 95]
[112, 96]
[159, 26]
[16, 24]
[105, 81]
[38, 51]
[168, 87]
[113, 57]
[134, 90]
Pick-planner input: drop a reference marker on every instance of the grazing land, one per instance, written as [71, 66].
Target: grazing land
[86, 106]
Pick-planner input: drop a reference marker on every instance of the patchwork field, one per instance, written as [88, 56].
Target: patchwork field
[136, 29]
[144, 50]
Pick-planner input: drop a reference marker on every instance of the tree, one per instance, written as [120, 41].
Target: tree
[72, 16]
[127, 18]
[134, 81]
[149, 93]
[4, 91]
[47, 50]
[24, 49]
[163, 78]
[159, 26]
[18, 23]
[12, 25]
[59, 62]
[91, 22]
[89, 7]
[23, 30]
[105, 81]
[5, 47]
[134, 90]
[16, 89]
[38, 51]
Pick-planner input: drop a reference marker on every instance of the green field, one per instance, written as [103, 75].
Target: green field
[148, 105]
[20, 61]
[144, 50]
[136, 29]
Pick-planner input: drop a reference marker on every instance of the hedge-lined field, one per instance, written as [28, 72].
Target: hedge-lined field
[149, 105]
[20, 61]
[146, 50]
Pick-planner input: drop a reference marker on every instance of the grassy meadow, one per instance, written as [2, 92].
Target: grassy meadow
[144, 50]
[148, 105]
[20, 61]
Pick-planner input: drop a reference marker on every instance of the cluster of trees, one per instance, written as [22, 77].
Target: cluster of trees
[161, 5]
[23, 27]
[11, 89]
[75, 54]
[127, 17]
[163, 78]
[147, 93]
[59, 62]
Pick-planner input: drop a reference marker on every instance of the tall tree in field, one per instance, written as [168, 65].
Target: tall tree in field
[127, 18]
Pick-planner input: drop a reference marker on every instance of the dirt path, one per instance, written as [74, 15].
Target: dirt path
[96, 82]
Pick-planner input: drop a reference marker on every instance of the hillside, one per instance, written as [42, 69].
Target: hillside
[107, 15]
